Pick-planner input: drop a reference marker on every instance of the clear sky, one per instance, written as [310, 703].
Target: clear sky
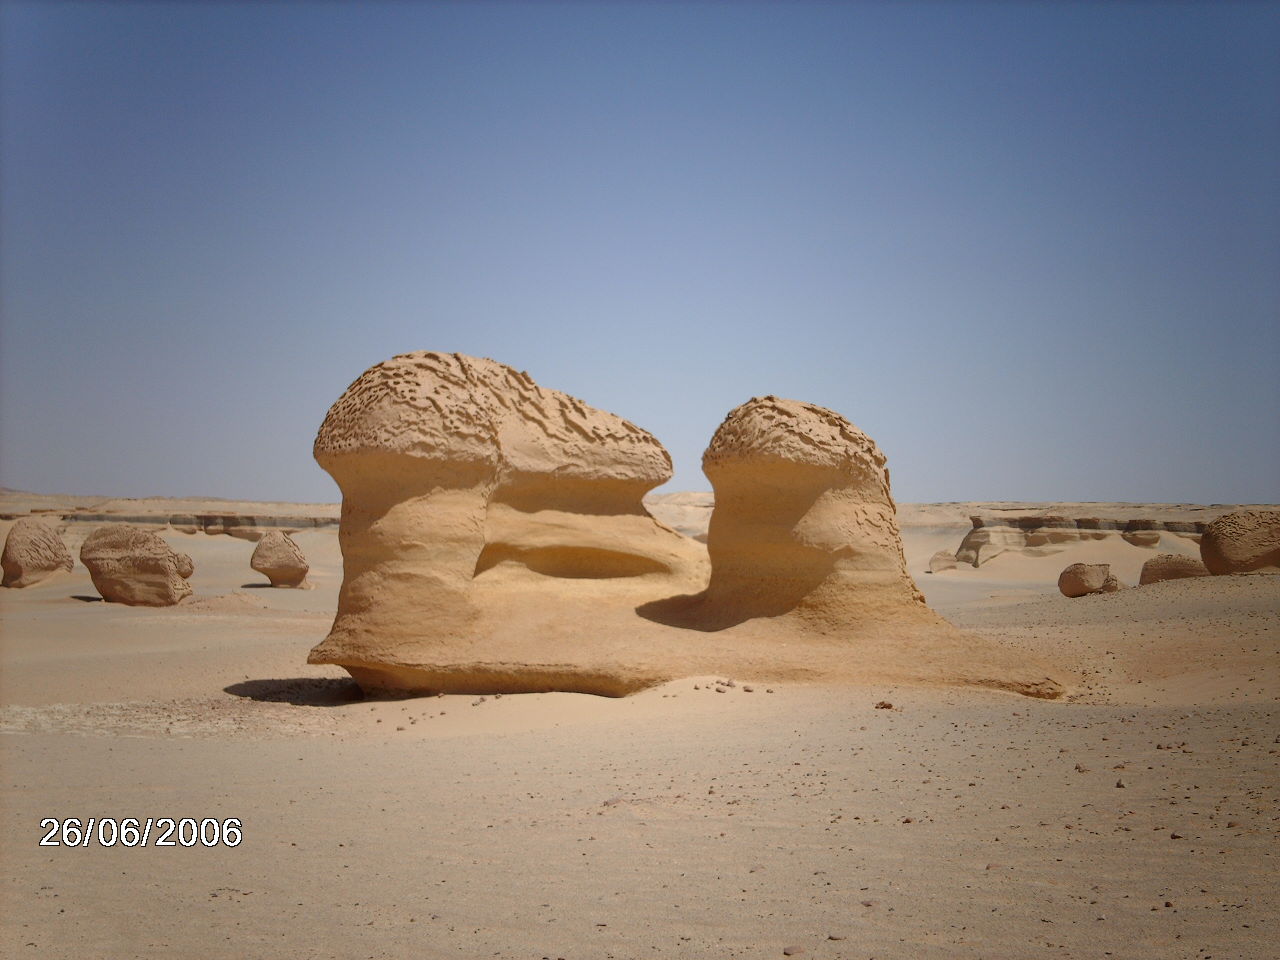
[1033, 249]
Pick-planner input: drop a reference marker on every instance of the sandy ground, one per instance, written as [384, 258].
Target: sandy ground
[1137, 818]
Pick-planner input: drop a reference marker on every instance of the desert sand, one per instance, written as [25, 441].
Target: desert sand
[1134, 817]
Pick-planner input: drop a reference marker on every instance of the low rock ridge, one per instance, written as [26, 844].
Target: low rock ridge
[1088, 523]
[1046, 534]
[211, 523]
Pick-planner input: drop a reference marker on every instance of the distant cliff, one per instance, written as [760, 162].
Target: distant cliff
[1041, 535]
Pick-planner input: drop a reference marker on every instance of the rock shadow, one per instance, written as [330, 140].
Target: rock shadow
[85, 598]
[708, 614]
[300, 691]
[732, 598]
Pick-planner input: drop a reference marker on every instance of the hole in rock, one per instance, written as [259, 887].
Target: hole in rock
[573, 563]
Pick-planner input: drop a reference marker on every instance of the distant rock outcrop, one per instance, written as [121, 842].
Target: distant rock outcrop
[1244, 542]
[32, 551]
[687, 512]
[135, 566]
[1039, 536]
[1081, 579]
[245, 528]
[1171, 566]
[279, 558]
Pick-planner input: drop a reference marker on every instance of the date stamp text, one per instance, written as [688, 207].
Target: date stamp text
[139, 832]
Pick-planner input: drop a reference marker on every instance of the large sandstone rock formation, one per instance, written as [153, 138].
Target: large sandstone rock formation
[494, 541]
[135, 566]
[1171, 566]
[1244, 542]
[807, 562]
[32, 551]
[803, 523]
[277, 556]
[456, 470]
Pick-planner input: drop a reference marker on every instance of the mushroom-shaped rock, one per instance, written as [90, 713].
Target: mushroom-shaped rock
[134, 566]
[1081, 579]
[32, 551]
[1247, 541]
[277, 556]
[803, 521]
[467, 490]
[807, 569]
[1171, 566]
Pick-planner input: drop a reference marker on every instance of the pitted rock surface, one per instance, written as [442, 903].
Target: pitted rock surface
[33, 551]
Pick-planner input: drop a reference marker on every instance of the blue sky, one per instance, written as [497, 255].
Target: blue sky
[1032, 249]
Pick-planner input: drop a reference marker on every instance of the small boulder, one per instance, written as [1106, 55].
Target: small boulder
[1171, 566]
[943, 560]
[277, 556]
[134, 566]
[1111, 584]
[1081, 579]
[33, 551]
[1247, 541]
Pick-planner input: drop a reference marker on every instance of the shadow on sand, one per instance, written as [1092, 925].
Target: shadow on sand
[300, 691]
[84, 598]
